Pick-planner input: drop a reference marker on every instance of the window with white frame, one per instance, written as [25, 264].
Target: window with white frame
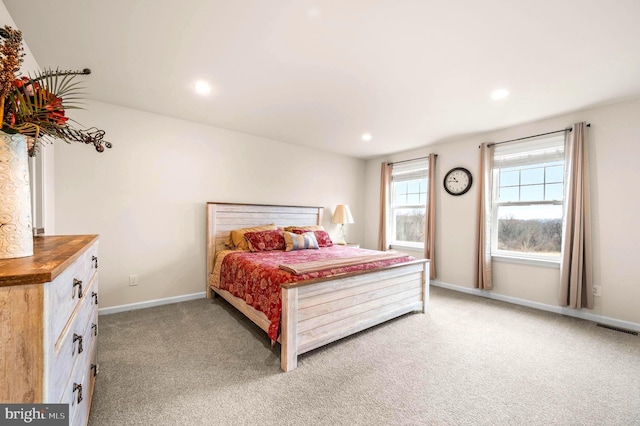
[528, 189]
[408, 202]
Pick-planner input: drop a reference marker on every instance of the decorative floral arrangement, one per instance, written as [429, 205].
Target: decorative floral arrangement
[35, 105]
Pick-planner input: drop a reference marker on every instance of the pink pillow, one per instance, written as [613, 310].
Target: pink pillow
[323, 237]
[265, 240]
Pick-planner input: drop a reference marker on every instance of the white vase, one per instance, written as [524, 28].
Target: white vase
[16, 235]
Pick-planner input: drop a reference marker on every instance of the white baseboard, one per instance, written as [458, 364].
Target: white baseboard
[151, 303]
[576, 313]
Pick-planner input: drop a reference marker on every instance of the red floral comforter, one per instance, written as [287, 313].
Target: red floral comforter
[256, 277]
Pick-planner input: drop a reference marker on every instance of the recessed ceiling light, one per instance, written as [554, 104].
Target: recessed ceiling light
[366, 137]
[202, 87]
[499, 94]
[313, 12]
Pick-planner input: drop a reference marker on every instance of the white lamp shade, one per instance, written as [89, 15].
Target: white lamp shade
[342, 214]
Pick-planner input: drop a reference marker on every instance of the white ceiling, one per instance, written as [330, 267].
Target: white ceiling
[321, 73]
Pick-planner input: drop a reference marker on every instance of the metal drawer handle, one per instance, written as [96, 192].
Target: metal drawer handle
[94, 327]
[78, 387]
[95, 297]
[78, 283]
[94, 259]
[94, 368]
[78, 338]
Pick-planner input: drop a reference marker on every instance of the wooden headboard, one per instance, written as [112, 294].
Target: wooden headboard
[224, 217]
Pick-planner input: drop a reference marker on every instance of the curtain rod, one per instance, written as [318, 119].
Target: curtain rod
[534, 136]
[413, 159]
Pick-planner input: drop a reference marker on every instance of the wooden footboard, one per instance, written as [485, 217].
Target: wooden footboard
[317, 313]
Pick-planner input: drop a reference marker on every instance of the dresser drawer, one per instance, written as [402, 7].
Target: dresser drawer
[79, 415]
[74, 341]
[69, 288]
[79, 390]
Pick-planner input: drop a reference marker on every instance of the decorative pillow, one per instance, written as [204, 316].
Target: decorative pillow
[236, 239]
[323, 237]
[306, 228]
[265, 240]
[300, 241]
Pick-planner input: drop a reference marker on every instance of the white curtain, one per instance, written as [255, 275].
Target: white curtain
[576, 282]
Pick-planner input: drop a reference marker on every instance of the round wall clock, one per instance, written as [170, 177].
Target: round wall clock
[457, 181]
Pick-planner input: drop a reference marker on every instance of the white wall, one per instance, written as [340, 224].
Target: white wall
[146, 196]
[614, 144]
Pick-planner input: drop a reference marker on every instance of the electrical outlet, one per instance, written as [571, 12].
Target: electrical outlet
[133, 280]
[597, 290]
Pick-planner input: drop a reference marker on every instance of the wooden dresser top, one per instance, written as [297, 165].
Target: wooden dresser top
[51, 256]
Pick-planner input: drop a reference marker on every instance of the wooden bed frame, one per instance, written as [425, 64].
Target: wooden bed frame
[319, 311]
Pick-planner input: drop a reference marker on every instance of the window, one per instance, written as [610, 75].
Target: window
[408, 203]
[528, 189]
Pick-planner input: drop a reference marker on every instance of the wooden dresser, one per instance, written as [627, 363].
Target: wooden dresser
[49, 324]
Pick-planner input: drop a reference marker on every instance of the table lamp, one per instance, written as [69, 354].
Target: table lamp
[341, 216]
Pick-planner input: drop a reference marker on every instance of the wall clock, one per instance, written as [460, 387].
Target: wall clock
[457, 181]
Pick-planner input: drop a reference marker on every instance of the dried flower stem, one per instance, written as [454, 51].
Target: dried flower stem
[11, 57]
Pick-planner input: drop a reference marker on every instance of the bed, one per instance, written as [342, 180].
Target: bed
[316, 309]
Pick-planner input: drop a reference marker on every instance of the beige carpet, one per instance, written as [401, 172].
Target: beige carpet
[468, 361]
